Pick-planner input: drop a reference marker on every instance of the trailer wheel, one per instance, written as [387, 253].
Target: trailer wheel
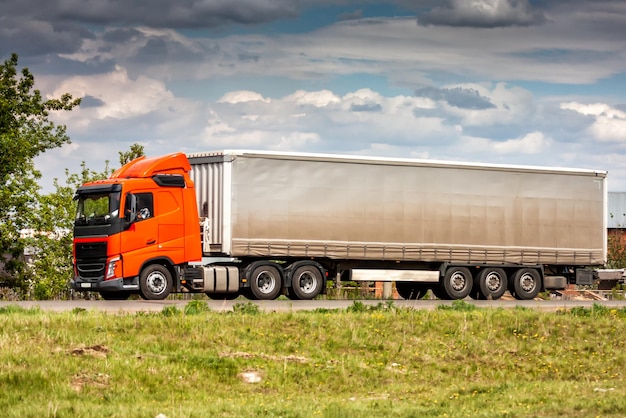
[114, 295]
[266, 282]
[458, 282]
[492, 283]
[155, 282]
[411, 291]
[526, 284]
[306, 282]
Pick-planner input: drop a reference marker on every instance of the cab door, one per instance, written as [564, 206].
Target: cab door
[139, 242]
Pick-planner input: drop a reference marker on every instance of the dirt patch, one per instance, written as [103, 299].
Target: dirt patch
[97, 350]
[97, 381]
[241, 354]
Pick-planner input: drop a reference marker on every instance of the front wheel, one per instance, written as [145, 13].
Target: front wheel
[155, 282]
[266, 282]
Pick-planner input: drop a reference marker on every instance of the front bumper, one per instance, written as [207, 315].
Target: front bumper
[114, 285]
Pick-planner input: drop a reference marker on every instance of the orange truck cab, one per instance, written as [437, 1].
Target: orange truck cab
[134, 230]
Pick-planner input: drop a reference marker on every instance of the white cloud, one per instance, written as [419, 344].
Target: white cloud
[531, 143]
[511, 105]
[484, 13]
[321, 98]
[258, 139]
[119, 97]
[242, 96]
[609, 124]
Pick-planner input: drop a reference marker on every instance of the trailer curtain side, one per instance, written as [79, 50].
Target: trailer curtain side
[264, 204]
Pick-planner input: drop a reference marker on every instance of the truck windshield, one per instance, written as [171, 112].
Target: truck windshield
[97, 208]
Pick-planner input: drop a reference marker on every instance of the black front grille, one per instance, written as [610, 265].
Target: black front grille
[91, 260]
[91, 250]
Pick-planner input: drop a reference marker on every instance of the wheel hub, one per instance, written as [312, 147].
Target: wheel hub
[493, 282]
[156, 283]
[307, 283]
[266, 283]
[527, 282]
[457, 281]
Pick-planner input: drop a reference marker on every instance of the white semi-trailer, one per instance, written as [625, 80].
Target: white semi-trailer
[274, 223]
[457, 228]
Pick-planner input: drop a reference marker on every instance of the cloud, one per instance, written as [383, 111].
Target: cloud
[608, 123]
[156, 13]
[309, 120]
[531, 143]
[457, 97]
[242, 96]
[113, 95]
[355, 15]
[33, 27]
[90, 101]
[320, 98]
[37, 37]
[483, 14]
[480, 105]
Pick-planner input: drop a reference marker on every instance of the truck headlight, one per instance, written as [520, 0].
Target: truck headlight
[114, 265]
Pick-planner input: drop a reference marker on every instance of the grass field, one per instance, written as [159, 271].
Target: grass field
[361, 362]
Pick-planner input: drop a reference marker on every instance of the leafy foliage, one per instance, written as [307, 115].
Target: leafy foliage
[196, 307]
[247, 308]
[616, 251]
[135, 151]
[51, 267]
[25, 132]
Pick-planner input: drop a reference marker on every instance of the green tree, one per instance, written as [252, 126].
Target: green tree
[51, 267]
[26, 131]
[52, 263]
[135, 151]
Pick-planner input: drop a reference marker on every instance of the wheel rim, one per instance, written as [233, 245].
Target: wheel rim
[527, 282]
[458, 281]
[307, 282]
[156, 283]
[493, 281]
[266, 282]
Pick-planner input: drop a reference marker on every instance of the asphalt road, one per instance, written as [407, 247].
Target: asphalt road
[130, 306]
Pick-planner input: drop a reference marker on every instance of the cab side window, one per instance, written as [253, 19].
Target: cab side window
[145, 206]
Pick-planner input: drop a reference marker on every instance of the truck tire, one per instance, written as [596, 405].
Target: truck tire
[155, 282]
[458, 282]
[306, 282]
[114, 295]
[526, 284]
[491, 283]
[411, 291]
[266, 282]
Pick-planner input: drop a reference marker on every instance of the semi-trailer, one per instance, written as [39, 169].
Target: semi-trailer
[262, 224]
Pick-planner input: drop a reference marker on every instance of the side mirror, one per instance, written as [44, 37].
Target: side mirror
[130, 208]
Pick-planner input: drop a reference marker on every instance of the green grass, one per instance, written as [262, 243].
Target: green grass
[360, 362]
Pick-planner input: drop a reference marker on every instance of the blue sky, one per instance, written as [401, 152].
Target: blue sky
[493, 81]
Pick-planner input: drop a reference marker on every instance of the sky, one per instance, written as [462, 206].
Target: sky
[525, 82]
